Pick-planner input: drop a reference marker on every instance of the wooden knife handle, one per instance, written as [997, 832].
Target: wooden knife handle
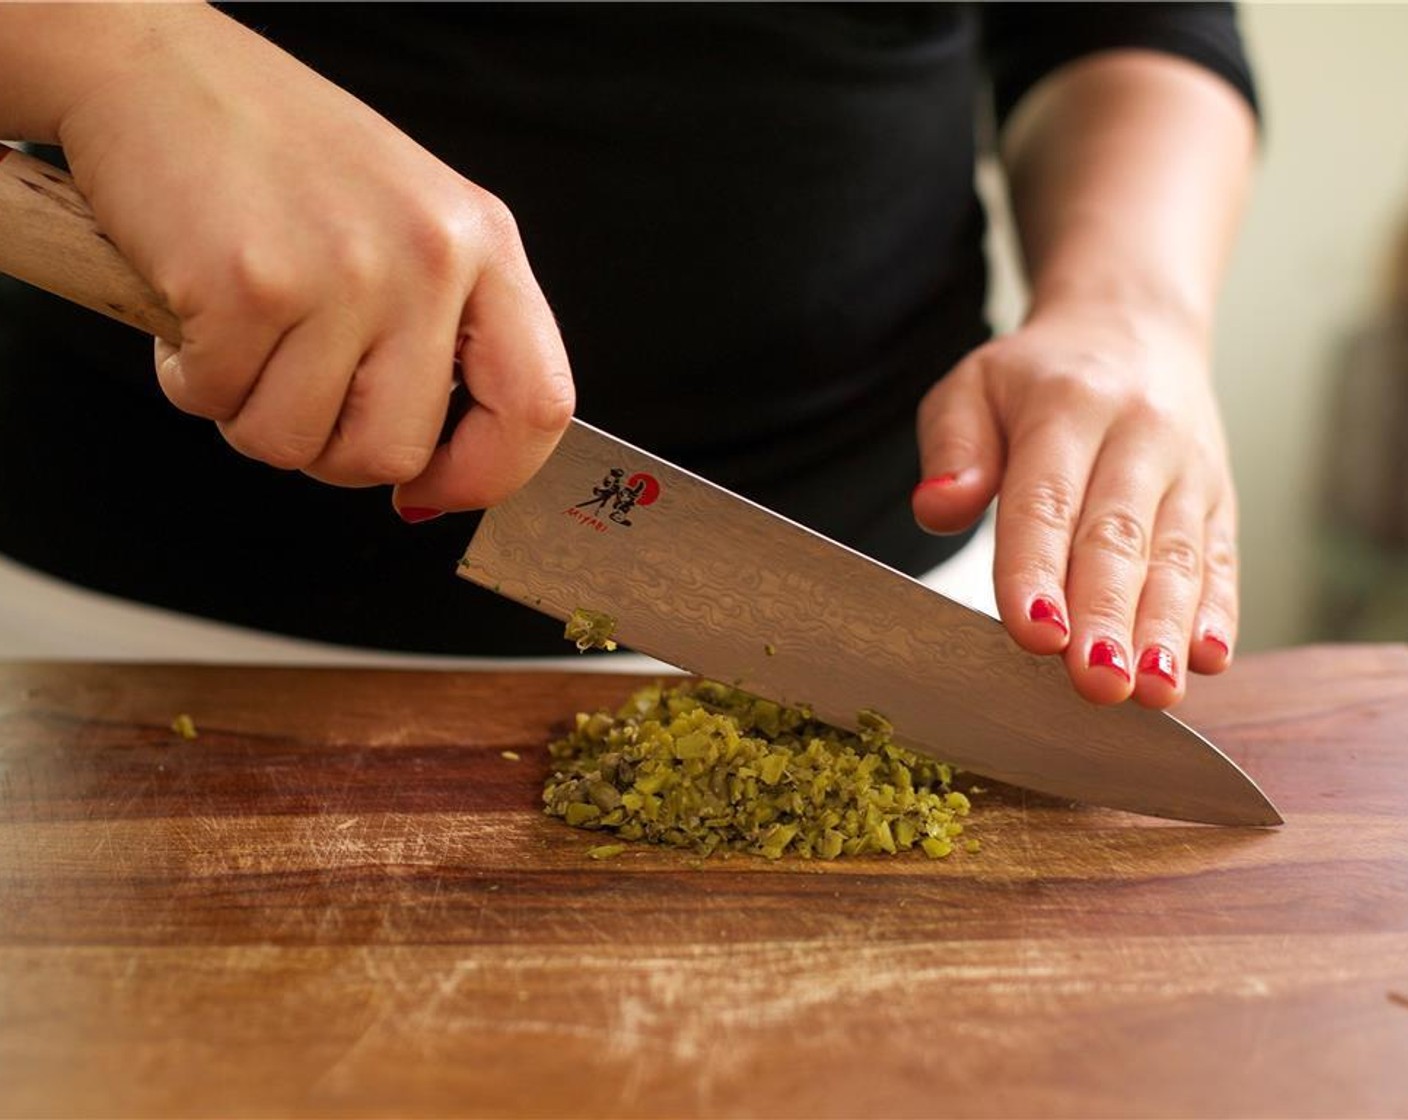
[49, 238]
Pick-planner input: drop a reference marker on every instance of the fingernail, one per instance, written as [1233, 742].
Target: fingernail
[415, 514]
[938, 482]
[1107, 655]
[1158, 662]
[1218, 640]
[1045, 610]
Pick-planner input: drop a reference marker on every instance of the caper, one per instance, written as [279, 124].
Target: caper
[705, 766]
[604, 795]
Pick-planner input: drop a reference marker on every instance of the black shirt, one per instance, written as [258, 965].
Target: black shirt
[755, 223]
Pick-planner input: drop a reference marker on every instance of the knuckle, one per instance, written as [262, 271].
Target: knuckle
[356, 265]
[208, 408]
[496, 220]
[1220, 556]
[1095, 385]
[392, 464]
[196, 402]
[1161, 424]
[1116, 531]
[264, 285]
[359, 462]
[1051, 503]
[1150, 412]
[290, 451]
[199, 392]
[1068, 385]
[1018, 577]
[1177, 554]
[1108, 607]
[187, 281]
[1077, 389]
[437, 244]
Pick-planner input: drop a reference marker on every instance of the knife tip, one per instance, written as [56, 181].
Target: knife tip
[1256, 810]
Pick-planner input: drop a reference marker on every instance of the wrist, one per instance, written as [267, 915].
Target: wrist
[1143, 302]
[57, 57]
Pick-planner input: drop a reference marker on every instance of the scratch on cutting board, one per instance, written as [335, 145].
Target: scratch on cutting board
[693, 1010]
[380, 1010]
[329, 842]
[699, 1014]
[423, 1010]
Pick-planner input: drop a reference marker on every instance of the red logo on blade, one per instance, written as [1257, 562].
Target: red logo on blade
[613, 499]
[644, 487]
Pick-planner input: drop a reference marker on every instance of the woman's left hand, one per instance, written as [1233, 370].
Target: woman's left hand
[1096, 428]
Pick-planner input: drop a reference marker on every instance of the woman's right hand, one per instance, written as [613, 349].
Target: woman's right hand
[327, 271]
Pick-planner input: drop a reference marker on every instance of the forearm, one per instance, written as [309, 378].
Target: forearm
[53, 56]
[1128, 175]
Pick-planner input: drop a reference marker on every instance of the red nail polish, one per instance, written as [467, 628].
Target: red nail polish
[1218, 640]
[938, 482]
[1045, 610]
[1107, 655]
[1159, 662]
[416, 514]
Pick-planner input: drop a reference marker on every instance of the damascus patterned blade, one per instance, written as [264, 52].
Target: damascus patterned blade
[721, 587]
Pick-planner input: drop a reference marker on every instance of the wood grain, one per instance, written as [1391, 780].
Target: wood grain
[342, 900]
[50, 238]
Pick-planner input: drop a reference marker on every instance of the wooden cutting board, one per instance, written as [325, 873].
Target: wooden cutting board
[341, 899]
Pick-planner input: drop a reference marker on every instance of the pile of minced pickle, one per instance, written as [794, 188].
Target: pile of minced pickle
[704, 766]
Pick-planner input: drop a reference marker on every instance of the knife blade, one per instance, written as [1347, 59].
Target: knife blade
[721, 587]
[718, 586]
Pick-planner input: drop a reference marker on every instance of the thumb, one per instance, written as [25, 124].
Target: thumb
[961, 452]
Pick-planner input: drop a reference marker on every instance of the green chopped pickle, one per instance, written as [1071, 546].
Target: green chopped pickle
[590, 630]
[704, 766]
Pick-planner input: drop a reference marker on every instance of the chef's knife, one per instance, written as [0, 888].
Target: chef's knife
[719, 586]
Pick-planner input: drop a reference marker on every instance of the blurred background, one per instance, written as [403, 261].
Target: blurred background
[1311, 352]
